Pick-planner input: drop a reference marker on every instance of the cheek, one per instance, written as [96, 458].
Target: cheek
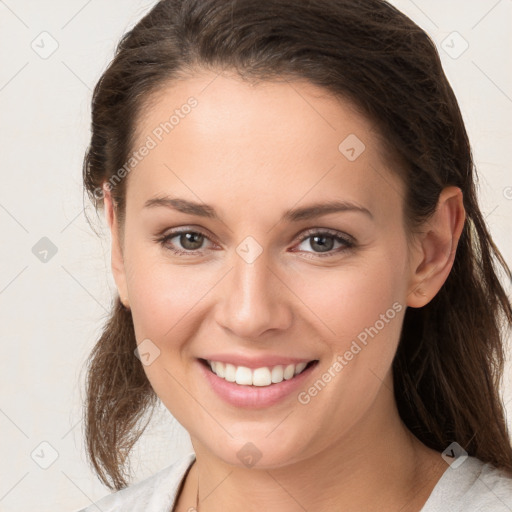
[163, 294]
[363, 303]
[345, 301]
[165, 300]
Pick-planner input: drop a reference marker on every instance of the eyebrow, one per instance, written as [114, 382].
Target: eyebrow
[292, 215]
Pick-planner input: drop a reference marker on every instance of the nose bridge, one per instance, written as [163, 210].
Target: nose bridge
[252, 297]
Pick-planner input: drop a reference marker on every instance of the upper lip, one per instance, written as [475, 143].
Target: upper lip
[256, 361]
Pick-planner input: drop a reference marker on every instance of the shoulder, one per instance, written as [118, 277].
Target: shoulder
[491, 491]
[154, 494]
[473, 486]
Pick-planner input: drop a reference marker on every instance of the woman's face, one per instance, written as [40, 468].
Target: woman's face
[267, 274]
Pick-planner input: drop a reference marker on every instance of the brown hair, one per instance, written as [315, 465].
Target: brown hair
[448, 367]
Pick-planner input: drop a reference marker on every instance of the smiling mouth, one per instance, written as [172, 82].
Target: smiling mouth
[260, 377]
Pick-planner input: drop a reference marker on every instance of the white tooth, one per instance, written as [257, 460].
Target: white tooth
[261, 377]
[300, 367]
[230, 373]
[220, 369]
[277, 374]
[289, 371]
[243, 376]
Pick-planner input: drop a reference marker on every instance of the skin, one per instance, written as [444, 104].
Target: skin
[253, 152]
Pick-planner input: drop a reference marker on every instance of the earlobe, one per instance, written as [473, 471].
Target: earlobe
[117, 258]
[436, 249]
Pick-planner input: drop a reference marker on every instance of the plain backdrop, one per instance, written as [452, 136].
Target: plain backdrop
[52, 54]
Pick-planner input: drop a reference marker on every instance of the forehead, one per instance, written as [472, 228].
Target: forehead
[216, 136]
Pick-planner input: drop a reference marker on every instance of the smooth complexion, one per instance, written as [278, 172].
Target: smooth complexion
[252, 153]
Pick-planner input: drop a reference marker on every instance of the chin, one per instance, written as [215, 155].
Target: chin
[258, 451]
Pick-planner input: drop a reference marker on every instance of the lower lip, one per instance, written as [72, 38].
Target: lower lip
[254, 396]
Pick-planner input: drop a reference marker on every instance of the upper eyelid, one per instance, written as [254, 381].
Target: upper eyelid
[301, 237]
[326, 231]
[180, 231]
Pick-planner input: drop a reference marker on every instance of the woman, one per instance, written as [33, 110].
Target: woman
[305, 278]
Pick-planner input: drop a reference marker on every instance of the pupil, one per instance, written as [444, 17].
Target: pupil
[322, 246]
[189, 239]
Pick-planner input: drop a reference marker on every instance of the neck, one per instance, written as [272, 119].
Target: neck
[378, 465]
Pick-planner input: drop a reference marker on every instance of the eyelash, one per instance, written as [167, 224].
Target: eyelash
[347, 241]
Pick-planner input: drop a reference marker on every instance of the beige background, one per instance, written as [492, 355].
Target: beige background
[52, 312]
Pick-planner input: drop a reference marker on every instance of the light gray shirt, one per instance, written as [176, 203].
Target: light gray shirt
[474, 486]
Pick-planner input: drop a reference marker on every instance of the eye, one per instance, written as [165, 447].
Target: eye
[322, 242]
[189, 242]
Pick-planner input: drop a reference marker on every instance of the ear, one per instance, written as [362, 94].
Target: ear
[117, 259]
[435, 248]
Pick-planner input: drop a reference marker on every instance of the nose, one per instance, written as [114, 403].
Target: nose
[253, 300]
